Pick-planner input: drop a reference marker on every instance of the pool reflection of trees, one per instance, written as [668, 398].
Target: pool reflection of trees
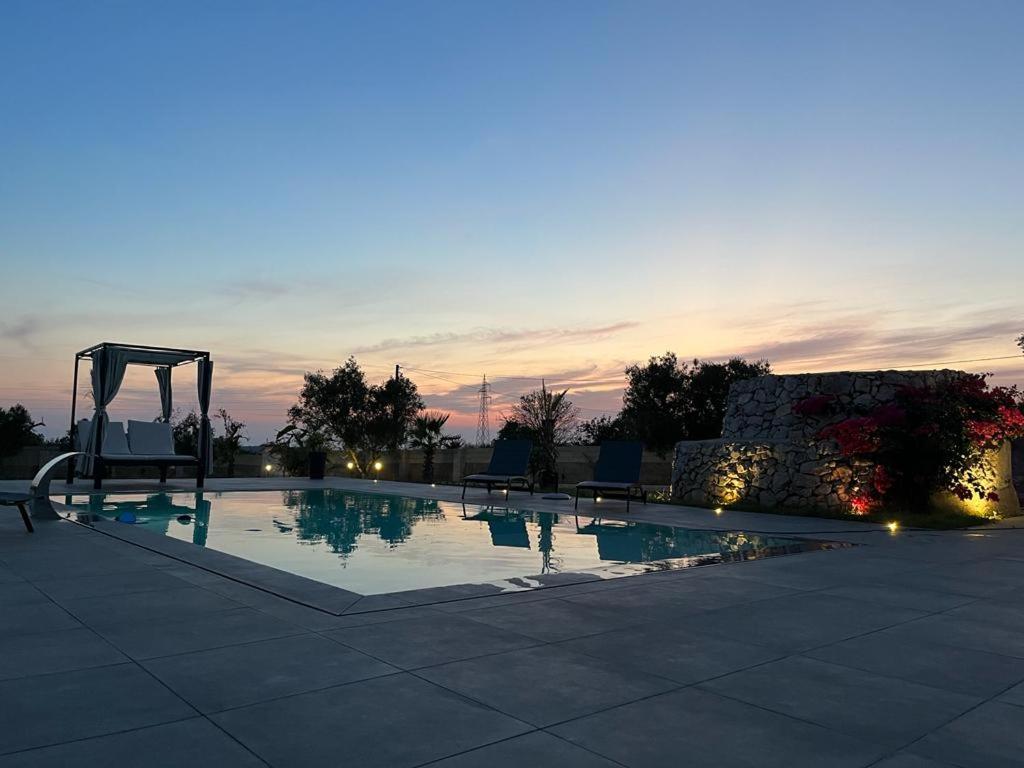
[338, 519]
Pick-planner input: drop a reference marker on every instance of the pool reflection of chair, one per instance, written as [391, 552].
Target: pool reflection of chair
[508, 529]
[619, 542]
[617, 470]
[509, 462]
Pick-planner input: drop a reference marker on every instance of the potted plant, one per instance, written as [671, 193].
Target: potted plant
[316, 444]
[299, 447]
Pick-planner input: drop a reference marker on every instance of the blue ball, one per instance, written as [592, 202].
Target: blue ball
[126, 517]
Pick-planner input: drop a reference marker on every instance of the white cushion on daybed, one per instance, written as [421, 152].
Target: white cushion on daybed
[114, 441]
[150, 438]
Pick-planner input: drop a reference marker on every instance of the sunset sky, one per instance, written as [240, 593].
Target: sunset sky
[521, 189]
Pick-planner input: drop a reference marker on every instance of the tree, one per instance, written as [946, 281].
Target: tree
[511, 429]
[708, 394]
[550, 419]
[225, 447]
[365, 420]
[185, 431]
[428, 433]
[603, 428]
[17, 430]
[667, 401]
[654, 403]
[1020, 342]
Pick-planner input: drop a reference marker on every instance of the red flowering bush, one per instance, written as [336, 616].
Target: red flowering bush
[855, 435]
[930, 439]
[863, 502]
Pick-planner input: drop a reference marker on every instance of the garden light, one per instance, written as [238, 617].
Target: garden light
[351, 465]
[718, 510]
[269, 467]
[892, 526]
[378, 466]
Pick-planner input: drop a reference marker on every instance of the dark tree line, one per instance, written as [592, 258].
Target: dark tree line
[665, 401]
[17, 430]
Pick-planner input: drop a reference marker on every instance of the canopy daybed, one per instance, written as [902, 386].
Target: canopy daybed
[104, 443]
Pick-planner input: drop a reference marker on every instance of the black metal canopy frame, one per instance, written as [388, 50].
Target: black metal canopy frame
[106, 358]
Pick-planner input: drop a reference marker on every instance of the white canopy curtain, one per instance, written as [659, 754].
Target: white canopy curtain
[163, 380]
[109, 361]
[205, 432]
[108, 367]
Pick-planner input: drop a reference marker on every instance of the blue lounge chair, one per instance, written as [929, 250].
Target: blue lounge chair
[509, 462]
[617, 470]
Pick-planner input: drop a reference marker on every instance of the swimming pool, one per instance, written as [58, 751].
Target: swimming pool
[376, 543]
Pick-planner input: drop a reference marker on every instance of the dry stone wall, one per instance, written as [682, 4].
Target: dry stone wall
[768, 456]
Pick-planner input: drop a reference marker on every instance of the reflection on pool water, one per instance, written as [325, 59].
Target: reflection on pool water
[374, 543]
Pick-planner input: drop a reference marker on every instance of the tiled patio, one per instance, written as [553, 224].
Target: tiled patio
[906, 652]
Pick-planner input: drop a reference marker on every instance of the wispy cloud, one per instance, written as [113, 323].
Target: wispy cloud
[499, 337]
[257, 289]
[859, 344]
[22, 331]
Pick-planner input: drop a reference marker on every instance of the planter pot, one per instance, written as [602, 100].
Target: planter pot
[317, 464]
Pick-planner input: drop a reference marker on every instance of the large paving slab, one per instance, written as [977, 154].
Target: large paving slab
[877, 709]
[20, 618]
[430, 640]
[977, 673]
[186, 602]
[51, 709]
[238, 675]
[800, 622]
[699, 729]
[673, 651]
[397, 721]
[532, 749]
[546, 685]
[195, 743]
[147, 640]
[552, 620]
[64, 650]
[987, 737]
[961, 633]
[679, 597]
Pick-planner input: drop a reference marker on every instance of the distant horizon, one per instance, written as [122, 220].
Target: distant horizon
[513, 189]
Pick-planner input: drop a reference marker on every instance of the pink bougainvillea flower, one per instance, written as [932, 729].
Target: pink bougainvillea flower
[1012, 421]
[983, 433]
[861, 503]
[854, 436]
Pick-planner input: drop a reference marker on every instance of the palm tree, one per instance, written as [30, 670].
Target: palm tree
[428, 434]
[552, 419]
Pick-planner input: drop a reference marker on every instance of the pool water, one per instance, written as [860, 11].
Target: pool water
[375, 543]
